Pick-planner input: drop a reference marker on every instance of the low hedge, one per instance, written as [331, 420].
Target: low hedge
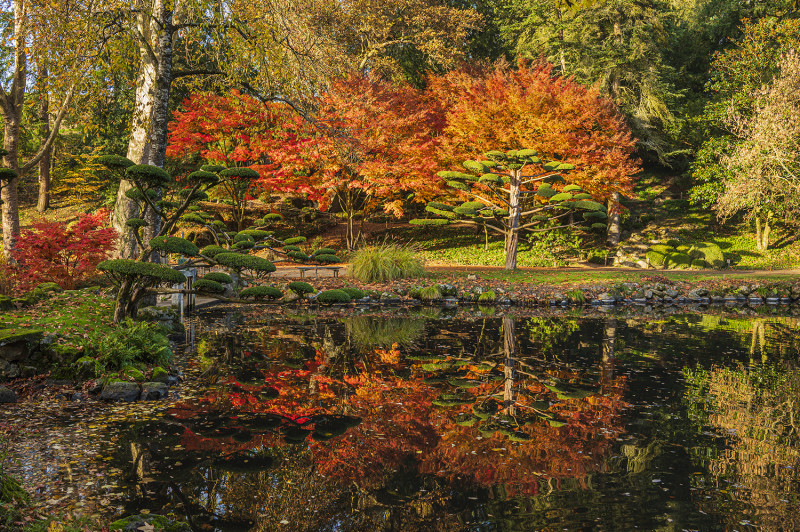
[333, 296]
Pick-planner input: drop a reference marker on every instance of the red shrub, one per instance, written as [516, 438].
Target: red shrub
[62, 253]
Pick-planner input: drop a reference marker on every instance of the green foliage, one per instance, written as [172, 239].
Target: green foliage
[115, 162]
[256, 234]
[430, 293]
[385, 262]
[261, 292]
[156, 273]
[131, 343]
[173, 244]
[240, 173]
[136, 223]
[333, 296]
[327, 259]
[148, 175]
[243, 236]
[239, 261]
[677, 260]
[213, 250]
[301, 288]
[287, 249]
[429, 221]
[709, 253]
[353, 292]
[272, 217]
[295, 240]
[298, 256]
[324, 251]
[487, 297]
[218, 277]
[207, 285]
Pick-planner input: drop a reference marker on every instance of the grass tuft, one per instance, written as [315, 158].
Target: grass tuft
[385, 262]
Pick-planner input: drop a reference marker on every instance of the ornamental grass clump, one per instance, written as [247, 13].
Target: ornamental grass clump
[385, 262]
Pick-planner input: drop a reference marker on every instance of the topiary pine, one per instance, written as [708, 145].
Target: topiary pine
[218, 277]
[295, 240]
[238, 261]
[173, 244]
[260, 292]
[208, 285]
[333, 296]
[353, 292]
[327, 259]
[212, 250]
[301, 288]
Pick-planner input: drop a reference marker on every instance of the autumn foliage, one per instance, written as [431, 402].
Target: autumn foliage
[503, 108]
[62, 253]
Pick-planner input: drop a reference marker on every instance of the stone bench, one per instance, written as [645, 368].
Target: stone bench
[304, 269]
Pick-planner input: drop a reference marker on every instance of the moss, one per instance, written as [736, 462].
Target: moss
[295, 240]
[245, 262]
[159, 374]
[333, 296]
[173, 244]
[133, 373]
[155, 522]
[31, 336]
[327, 259]
[218, 277]
[260, 292]
[207, 285]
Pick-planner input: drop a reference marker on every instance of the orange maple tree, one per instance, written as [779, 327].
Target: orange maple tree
[502, 108]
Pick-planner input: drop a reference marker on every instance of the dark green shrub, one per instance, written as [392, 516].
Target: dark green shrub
[353, 292]
[300, 288]
[256, 234]
[298, 256]
[260, 292]
[327, 259]
[333, 296]
[272, 217]
[192, 218]
[218, 277]
[699, 264]
[115, 162]
[324, 251]
[148, 174]
[655, 259]
[157, 273]
[212, 168]
[173, 244]
[212, 250]
[136, 223]
[240, 173]
[239, 261]
[598, 256]
[244, 244]
[295, 240]
[673, 243]
[243, 236]
[291, 248]
[207, 285]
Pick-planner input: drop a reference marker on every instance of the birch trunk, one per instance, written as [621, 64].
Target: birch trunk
[512, 239]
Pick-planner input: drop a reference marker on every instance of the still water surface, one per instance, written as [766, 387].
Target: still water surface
[469, 422]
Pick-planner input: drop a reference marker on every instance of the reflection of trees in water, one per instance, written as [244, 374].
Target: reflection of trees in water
[758, 411]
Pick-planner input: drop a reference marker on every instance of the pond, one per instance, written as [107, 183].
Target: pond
[448, 420]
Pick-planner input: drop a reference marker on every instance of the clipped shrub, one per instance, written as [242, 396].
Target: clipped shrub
[207, 285]
[218, 277]
[191, 218]
[655, 259]
[353, 292]
[289, 248]
[295, 240]
[244, 244]
[212, 250]
[298, 256]
[677, 261]
[260, 292]
[239, 261]
[324, 251]
[333, 296]
[243, 236]
[699, 264]
[256, 234]
[385, 262]
[173, 244]
[272, 217]
[136, 223]
[122, 268]
[301, 288]
[708, 251]
[327, 259]
[673, 243]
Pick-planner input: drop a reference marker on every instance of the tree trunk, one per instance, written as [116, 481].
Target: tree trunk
[758, 234]
[609, 342]
[509, 367]
[148, 142]
[614, 230]
[45, 162]
[12, 115]
[512, 238]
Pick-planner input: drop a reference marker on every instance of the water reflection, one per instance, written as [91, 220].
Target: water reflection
[493, 423]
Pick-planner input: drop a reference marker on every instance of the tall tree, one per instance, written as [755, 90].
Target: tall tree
[64, 35]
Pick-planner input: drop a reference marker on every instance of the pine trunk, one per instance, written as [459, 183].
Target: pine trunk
[509, 367]
[512, 238]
